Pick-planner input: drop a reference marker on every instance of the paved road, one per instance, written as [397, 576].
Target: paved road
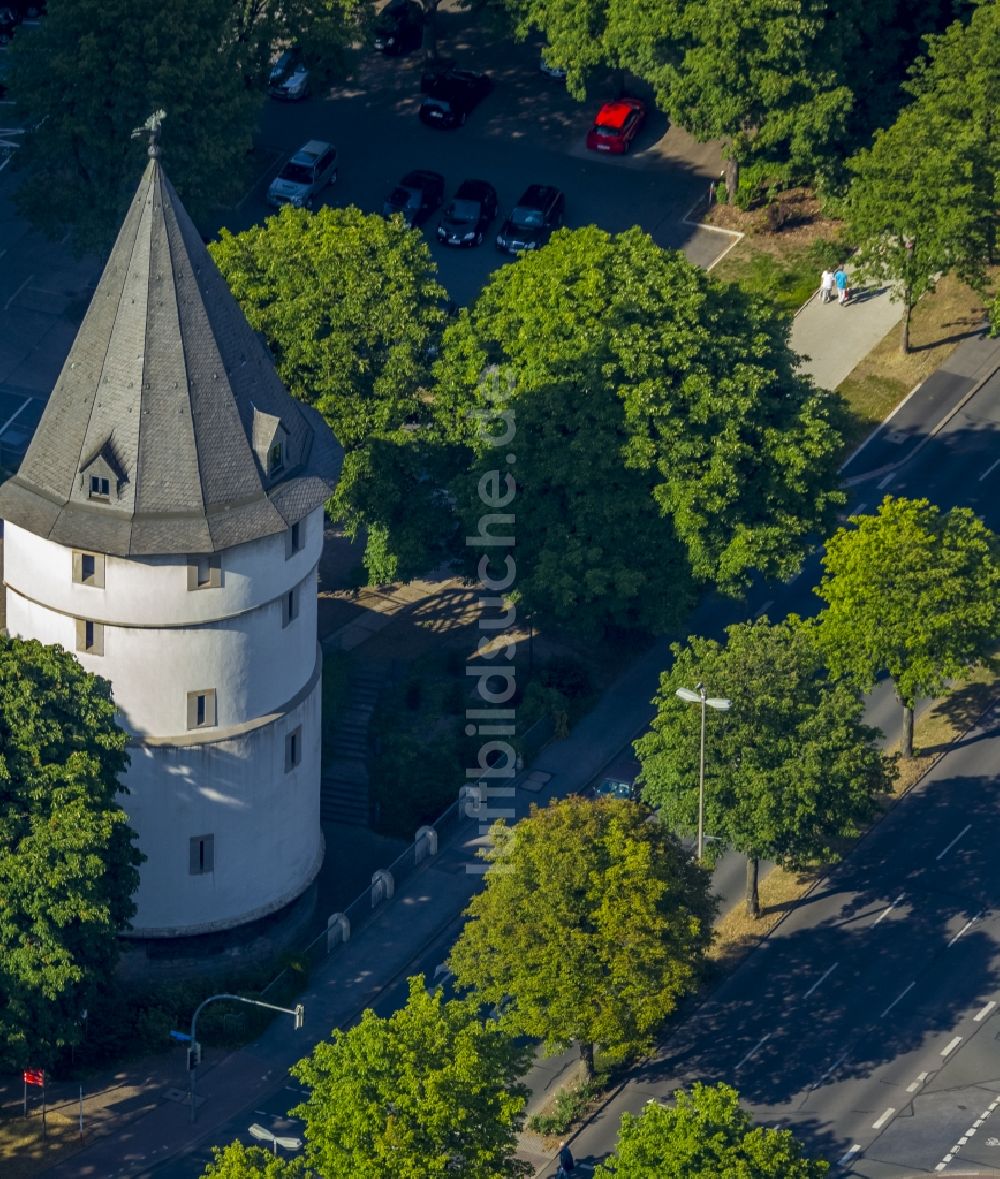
[868, 1020]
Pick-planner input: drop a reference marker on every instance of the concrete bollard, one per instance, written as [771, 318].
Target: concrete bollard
[338, 929]
[383, 886]
[425, 843]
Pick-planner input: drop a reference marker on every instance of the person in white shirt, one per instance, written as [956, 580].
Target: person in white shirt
[826, 284]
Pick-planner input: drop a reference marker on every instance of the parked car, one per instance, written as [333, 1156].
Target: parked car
[299, 182]
[618, 779]
[289, 77]
[416, 196]
[616, 126]
[10, 18]
[399, 28]
[551, 71]
[538, 212]
[468, 215]
[450, 94]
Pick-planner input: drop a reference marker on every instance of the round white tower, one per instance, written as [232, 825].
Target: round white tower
[166, 525]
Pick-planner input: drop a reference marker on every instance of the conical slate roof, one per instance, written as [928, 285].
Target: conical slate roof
[171, 399]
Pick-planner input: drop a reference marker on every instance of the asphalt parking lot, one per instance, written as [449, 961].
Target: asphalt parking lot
[529, 130]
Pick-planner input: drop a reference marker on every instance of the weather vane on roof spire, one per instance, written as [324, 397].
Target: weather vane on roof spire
[151, 127]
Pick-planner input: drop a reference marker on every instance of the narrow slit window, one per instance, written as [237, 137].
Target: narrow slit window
[202, 855]
[293, 749]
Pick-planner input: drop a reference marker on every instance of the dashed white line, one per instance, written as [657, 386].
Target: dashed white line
[981, 1015]
[881, 1120]
[915, 1085]
[897, 999]
[949, 1048]
[968, 925]
[968, 1134]
[859, 509]
[760, 1043]
[886, 912]
[764, 609]
[887, 480]
[848, 1156]
[821, 979]
[946, 850]
[989, 470]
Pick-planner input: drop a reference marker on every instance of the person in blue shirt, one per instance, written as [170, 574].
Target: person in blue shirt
[840, 279]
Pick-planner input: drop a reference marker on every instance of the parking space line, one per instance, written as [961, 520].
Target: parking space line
[6, 305]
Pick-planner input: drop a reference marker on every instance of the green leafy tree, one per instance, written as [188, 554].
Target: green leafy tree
[705, 1134]
[592, 545]
[237, 1161]
[789, 769]
[430, 1091]
[594, 922]
[68, 864]
[352, 310]
[350, 307]
[925, 196]
[94, 71]
[690, 389]
[391, 490]
[911, 591]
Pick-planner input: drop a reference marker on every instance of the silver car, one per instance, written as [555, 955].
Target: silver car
[300, 181]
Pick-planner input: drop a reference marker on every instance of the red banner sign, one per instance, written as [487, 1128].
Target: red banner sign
[34, 1076]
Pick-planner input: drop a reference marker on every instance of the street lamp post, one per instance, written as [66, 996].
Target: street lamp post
[720, 704]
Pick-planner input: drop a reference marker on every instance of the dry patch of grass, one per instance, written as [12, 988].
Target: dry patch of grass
[934, 732]
[24, 1153]
[940, 321]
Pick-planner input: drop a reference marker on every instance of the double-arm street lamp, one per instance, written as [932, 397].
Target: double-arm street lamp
[720, 704]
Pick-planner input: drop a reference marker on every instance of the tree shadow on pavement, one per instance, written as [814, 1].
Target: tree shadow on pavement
[811, 1008]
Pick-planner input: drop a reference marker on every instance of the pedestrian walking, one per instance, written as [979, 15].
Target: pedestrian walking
[826, 286]
[840, 280]
[566, 1162]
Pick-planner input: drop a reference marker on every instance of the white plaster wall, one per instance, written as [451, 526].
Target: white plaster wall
[254, 664]
[152, 591]
[268, 842]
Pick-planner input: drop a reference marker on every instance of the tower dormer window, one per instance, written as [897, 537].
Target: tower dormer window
[100, 488]
[276, 458]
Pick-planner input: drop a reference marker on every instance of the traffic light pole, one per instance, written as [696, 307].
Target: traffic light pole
[298, 1013]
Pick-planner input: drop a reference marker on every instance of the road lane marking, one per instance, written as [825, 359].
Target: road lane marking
[886, 912]
[859, 509]
[969, 1134]
[848, 1156]
[978, 1018]
[915, 1085]
[819, 980]
[945, 851]
[6, 305]
[840, 1060]
[968, 925]
[948, 1049]
[767, 606]
[760, 1043]
[897, 999]
[887, 480]
[989, 470]
[881, 1120]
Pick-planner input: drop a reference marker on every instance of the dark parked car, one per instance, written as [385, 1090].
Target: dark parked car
[451, 94]
[10, 18]
[468, 215]
[537, 213]
[416, 196]
[289, 77]
[399, 28]
[618, 779]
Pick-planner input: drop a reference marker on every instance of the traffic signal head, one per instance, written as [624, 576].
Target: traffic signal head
[300, 1016]
[194, 1055]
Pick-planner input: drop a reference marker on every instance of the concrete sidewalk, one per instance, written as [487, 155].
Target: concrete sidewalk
[832, 339]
